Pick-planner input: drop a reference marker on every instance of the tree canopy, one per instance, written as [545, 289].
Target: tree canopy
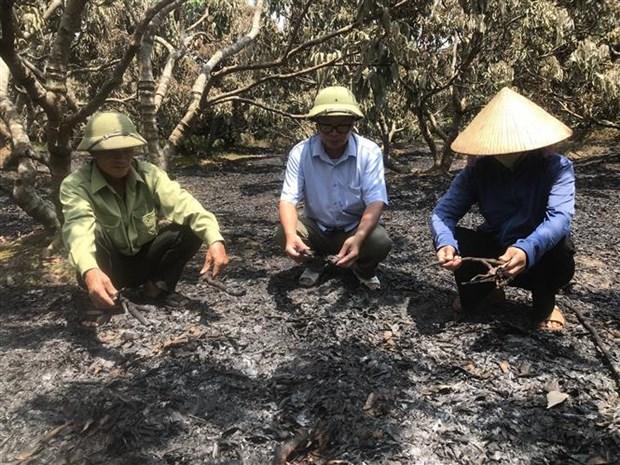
[193, 72]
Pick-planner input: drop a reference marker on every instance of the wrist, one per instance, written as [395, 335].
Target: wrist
[89, 272]
[359, 236]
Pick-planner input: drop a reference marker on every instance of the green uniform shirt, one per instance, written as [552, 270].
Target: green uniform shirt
[89, 204]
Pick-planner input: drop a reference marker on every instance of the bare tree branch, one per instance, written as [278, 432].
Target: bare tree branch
[604, 123]
[93, 69]
[123, 101]
[201, 82]
[272, 77]
[200, 20]
[261, 105]
[53, 6]
[282, 59]
[21, 74]
[118, 72]
[166, 75]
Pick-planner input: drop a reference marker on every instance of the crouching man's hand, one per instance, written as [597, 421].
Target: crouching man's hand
[215, 260]
[349, 252]
[449, 258]
[101, 291]
[295, 248]
[515, 261]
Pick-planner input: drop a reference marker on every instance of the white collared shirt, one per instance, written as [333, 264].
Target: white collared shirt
[335, 192]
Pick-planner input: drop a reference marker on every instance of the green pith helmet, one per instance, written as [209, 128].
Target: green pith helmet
[110, 131]
[335, 101]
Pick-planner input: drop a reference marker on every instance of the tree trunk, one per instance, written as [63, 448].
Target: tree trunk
[24, 192]
[427, 135]
[447, 156]
[146, 90]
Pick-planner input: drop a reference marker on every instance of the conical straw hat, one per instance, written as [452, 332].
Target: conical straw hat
[510, 123]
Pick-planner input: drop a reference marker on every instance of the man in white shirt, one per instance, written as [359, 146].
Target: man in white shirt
[340, 177]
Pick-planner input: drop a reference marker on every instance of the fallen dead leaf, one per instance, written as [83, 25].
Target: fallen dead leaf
[388, 339]
[370, 401]
[597, 460]
[190, 333]
[504, 366]
[555, 398]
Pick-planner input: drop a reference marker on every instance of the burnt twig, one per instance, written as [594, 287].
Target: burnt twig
[489, 262]
[495, 271]
[130, 307]
[237, 292]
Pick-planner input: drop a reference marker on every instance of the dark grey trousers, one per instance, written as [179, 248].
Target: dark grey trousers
[162, 259]
[373, 251]
[544, 279]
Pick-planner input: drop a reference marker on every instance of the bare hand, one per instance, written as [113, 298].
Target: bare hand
[215, 260]
[516, 261]
[295, 248]
[101, 291]
[449, 258]
[349, 252]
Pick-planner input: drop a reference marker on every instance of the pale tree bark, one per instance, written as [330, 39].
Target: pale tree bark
[53, 6]
[59, 137]
[388, 131]
[201, 84]
[51, 94]
[146, 88]
[166, 75]
[24, 192]
[174, 54]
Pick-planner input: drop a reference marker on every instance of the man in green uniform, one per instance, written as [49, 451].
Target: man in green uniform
[111, 209]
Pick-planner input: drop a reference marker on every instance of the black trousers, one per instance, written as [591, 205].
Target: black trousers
[554, 270]
[162, 259]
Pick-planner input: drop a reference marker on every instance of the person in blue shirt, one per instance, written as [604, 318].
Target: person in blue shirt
[339, 176]
[525, 193]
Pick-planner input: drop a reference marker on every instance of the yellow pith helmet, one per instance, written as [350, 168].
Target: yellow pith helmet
[335, 101]
[110, 131]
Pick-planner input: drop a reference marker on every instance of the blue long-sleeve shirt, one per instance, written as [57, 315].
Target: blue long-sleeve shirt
[530, 207]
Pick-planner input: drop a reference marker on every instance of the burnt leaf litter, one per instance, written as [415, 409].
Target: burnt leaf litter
[328, 375]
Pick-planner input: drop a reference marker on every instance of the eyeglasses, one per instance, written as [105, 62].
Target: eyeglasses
[326, 128]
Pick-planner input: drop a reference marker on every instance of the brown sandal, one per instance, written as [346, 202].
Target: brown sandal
[554, 323]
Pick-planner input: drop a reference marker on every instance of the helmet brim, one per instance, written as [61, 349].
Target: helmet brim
[112, 143]
[335, 110]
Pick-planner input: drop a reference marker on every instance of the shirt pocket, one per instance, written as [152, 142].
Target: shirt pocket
[146, 224]
[352, 202]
